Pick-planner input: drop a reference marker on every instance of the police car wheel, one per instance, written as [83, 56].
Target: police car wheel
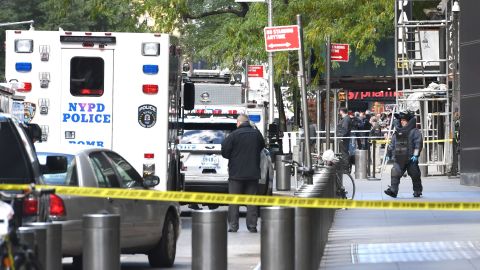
[163, 255]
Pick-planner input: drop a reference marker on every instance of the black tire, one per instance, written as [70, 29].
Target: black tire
[163, 255]
[77, 263]
[173, 176]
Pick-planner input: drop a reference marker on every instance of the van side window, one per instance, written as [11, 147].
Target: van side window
[87, 76]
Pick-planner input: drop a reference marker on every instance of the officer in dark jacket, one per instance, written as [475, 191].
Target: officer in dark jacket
[242, 149]
[405, 148]
[344, 128]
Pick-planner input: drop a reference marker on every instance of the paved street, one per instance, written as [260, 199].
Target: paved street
[393, 239]
[372, 239]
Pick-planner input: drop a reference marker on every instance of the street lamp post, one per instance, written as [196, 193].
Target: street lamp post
[271, 110]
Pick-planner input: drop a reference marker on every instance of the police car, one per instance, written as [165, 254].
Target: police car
[204, 167]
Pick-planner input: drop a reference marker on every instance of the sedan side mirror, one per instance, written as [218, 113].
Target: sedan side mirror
[55, 164]
[151, 181]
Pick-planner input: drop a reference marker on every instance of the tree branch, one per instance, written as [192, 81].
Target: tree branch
[239, 12]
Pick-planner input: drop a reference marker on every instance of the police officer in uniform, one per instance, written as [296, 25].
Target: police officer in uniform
[405, 148]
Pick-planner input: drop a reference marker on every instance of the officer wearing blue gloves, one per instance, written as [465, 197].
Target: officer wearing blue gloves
[405, 147]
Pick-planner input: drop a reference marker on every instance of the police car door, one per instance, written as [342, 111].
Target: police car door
[86, 98]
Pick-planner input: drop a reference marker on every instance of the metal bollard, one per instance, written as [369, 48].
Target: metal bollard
[308, 244]
[101, 236]
[40, 244]
[282, 172]
[374, 162]
[209, 240]
[53, 244]
[277, 244]
[361, 160]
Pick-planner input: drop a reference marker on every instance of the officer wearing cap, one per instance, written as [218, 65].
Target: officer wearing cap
[405, 148]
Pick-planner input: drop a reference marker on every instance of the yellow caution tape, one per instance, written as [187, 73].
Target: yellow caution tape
[220, 198]
[434, 141]
[426, 141]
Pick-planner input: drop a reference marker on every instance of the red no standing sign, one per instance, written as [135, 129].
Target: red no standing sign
[282, 38]
[255, 71]
[339, 52]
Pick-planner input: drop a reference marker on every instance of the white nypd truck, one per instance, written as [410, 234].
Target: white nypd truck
[119, 91]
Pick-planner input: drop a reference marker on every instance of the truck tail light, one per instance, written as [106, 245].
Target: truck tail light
[217, 111]
[150, 89]
[24, 87]
[150, 69]
[23, 66]
[30, 206]
[57, 207]
[91, 92]
[150, 49]
[23, 45]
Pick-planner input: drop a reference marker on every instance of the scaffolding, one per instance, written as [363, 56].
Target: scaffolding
[426, 75]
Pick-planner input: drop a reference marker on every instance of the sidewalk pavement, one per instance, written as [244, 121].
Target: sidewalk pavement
[401, 239]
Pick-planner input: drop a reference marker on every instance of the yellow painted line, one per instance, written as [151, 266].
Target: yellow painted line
[220, 198]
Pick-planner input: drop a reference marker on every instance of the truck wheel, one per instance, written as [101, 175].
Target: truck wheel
[163, 255]
[173, 176]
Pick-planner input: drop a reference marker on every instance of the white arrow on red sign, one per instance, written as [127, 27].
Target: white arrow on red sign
[339, 52]
[279, 45]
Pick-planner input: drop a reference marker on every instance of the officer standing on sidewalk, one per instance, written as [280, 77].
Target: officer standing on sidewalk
[405, 148]
[242, 148]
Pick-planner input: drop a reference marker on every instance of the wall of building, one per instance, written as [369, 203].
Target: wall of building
[470, 92]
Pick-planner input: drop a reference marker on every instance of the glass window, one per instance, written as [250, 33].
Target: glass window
[56, 178]
[204, 136]
[15, 164]
[103, 170]
[129, 176]
[87, 76]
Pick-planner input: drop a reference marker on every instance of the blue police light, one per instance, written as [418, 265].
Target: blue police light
[255, 118]
[150, 69]
[23, 66]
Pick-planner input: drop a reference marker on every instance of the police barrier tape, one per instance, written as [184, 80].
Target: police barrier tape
[220, 198]
[426, 141]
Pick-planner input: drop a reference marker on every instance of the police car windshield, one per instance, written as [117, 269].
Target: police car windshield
[203, 136]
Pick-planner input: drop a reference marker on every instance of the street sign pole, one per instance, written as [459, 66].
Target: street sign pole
[303, 83]
[271, 110]
[327, 97]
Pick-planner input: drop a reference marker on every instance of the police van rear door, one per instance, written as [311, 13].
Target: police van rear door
[87, 97]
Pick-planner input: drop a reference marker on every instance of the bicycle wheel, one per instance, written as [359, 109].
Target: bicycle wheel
[345, 186]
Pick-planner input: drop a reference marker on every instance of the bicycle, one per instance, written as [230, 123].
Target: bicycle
[345, 184]
[15, 255]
